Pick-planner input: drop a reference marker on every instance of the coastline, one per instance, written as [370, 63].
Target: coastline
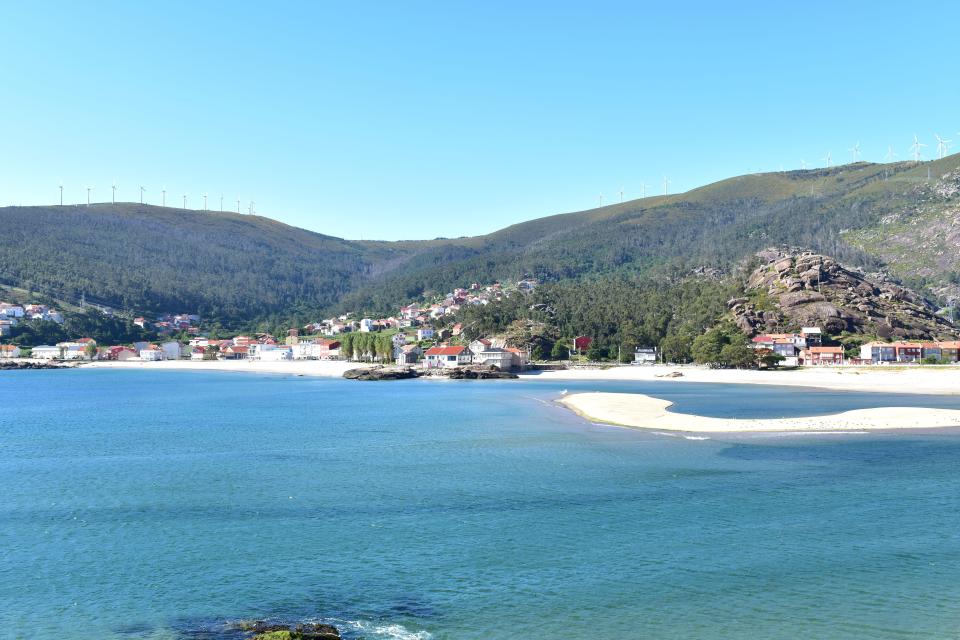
[641, 411]
[914, 380]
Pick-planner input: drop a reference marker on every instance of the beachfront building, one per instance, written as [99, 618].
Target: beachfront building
[45, 352]
[817, 356]
[407, 354]
[788, 346]
[8, 351]
[447, 357]
[495, 357]
[645, 355]
[905, 352]
[171, 350]
[153, 354]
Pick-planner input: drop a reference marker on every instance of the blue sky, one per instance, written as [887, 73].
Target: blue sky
[416, 120]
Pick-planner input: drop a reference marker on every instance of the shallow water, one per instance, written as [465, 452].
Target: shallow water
[138, 504]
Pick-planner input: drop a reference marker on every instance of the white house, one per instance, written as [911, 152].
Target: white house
[446, 357]
[424, 333]
[45, 352]
[496, 357]
[71, 350]
[9, 351]
[151, 355]
[366, 325]
[480, 344]
[276, 354]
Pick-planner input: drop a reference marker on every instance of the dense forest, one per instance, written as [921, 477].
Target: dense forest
[245, 271]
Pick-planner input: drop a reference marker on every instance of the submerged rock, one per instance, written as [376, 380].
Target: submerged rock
[262, 630]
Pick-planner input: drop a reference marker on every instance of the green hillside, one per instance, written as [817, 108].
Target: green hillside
[238, 268]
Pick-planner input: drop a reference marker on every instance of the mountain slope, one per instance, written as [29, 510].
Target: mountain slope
[238, 268]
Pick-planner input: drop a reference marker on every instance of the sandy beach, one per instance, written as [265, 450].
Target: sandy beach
[645, 412]
[934, 380]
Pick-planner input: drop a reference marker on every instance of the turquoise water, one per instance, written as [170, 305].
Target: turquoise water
[163, 504]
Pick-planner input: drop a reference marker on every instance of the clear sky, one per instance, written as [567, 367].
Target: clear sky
[415, 120]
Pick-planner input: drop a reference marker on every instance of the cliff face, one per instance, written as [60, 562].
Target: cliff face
[794, 288]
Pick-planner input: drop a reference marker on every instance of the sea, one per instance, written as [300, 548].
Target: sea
[171, 504]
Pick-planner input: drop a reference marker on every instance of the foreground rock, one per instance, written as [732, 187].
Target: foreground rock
[380, 373]
[14, 364]
[794, 288]
[261, 630]
[479, 372]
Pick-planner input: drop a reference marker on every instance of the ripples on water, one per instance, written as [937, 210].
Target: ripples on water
[164, 505]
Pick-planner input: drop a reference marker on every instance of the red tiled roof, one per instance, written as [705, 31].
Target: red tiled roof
[445, 351]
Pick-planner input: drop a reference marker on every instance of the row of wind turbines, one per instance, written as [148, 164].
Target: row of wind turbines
[251, 206]
[916, 152]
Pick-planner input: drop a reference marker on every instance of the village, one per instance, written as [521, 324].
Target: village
[423, 335]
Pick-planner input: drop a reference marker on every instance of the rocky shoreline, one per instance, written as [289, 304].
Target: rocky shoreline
[479, 372]
[12, 365]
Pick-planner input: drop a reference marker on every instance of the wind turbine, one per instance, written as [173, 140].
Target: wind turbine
[666, 185]
[601, 199]
[621, 194]
[61, 194]
[891, 154]
[827, 158]
[238, 205]
[163, 201]
[803, 164]
[643, 189]
[855, 151]
[252, 209]
[184, 201]
[88, 195]
[142, 189]
[915, 148]
[221, 202]
[942, 146]
[113, 196]
[204, 202]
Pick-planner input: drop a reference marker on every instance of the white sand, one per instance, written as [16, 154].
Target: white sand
[644, 412]
[939, 380]
[323, 368]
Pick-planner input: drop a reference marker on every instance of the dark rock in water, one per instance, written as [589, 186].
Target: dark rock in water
[316, 631]
[479, 373]
[262, 630]
[13, 364]
[380, 373]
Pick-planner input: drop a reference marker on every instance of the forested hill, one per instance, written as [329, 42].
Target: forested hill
[155, 259]
[238, 268]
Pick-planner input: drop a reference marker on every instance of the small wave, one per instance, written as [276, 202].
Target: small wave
[387, 631]
[696, 437]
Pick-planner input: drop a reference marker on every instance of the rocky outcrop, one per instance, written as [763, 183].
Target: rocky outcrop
[380, 373]
[472, 372]
[261, 630]
[794, 288]
[16, 364]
